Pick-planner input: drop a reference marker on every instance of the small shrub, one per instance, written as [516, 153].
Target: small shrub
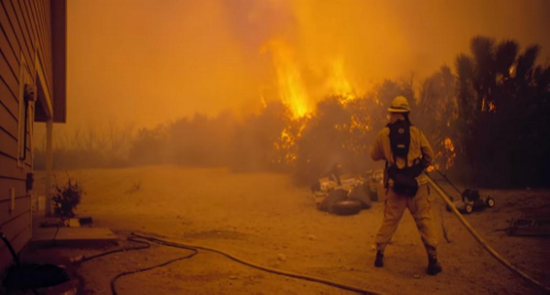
[67, 198]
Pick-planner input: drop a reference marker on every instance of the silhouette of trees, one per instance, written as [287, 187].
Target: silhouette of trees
[488, 121]
[435, 113]
[200, 141]
[149, 147]
[341, 131]
[98, 146]
[253, 143]
[503, 107]
[323, 141]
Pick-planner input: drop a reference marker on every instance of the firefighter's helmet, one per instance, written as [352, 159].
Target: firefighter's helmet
[400, 104]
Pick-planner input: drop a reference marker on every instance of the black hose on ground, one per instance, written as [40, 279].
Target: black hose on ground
[144, 245]
[13, 254]
[10, 247]
[126, 273]
[256, 266]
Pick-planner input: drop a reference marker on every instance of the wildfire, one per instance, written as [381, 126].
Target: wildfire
[290, 83]
[445, 156]
[292, 91]
[286, 143]
[338, 83]
[451, 154]
[295, 95]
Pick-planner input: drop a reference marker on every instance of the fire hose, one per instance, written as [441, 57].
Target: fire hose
[482, 241]
[256, 266]
[142, 240]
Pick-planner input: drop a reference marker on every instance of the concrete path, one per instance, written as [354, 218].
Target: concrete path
[70, 236]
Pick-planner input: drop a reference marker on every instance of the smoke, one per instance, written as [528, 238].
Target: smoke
[345, 47]
[147, 62]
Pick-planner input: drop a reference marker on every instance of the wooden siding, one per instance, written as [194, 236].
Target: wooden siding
[25, 39]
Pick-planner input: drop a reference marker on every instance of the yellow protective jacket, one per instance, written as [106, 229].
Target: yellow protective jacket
[418, 148]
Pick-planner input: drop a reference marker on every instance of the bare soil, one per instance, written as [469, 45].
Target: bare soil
[265, 219]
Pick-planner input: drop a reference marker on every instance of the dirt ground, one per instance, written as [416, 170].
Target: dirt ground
[265, 219]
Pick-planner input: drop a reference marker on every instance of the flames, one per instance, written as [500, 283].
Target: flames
[447, 153]
[291, 88]
[450, 150]
[285, 145]
[300, 98]
[294, 92]
[339, 83]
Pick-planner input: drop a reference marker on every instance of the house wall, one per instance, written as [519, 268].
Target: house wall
[25, 58]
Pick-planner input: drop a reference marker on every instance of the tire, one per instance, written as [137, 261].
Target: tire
[358, 193]
[332, 198]
[468, 208]
[490, 202]
[347, 207]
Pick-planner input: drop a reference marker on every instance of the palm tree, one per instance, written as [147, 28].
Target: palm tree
[465, 70]
[505, 57]
[502, 98]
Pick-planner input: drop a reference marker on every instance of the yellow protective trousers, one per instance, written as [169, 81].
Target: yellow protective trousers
[420, 208]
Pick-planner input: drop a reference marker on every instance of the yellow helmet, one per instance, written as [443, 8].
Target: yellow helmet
[400, 104]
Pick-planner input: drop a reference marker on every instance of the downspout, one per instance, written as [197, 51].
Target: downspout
[30, 96]
[49, 166]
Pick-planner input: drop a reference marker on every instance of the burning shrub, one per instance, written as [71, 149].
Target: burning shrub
[67, 198]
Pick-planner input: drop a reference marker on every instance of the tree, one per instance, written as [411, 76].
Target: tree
[253, 144]
[501, 103]
[436, 112]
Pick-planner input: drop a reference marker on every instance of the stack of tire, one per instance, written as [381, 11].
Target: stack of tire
[340, 202]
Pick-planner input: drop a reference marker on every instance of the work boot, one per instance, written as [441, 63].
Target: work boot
[379, 262]
[433, 266]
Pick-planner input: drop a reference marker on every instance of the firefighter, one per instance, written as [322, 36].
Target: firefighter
[407, 153]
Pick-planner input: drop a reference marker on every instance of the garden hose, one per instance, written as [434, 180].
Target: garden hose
[481, 241]
[13, 254]
[256, 266]
[126, 273]
[10, 247]
[142, 245]
[145, 245]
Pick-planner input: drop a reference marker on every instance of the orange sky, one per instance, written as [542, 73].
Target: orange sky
[149, 61]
